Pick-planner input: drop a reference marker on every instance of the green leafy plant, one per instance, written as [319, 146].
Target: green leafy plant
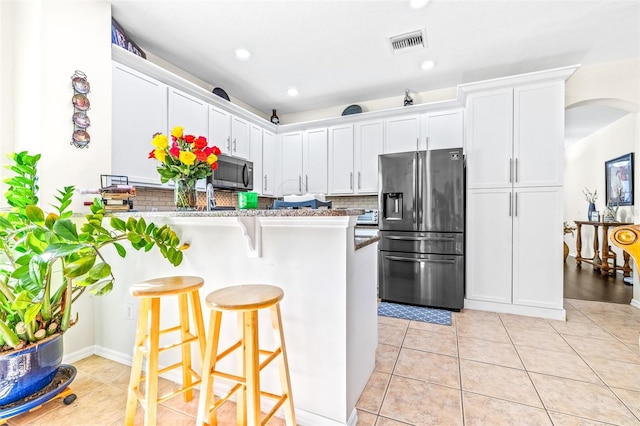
[48, 260]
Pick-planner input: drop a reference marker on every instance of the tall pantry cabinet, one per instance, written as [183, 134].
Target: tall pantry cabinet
[515, 154]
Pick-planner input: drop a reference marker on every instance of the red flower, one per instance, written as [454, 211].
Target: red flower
[152, 154]
[201, 155]
[175, 151]
[200, 142]
[214, 166]
[216, 150]
[189, 138]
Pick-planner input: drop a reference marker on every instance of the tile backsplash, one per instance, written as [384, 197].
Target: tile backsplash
[157, 199]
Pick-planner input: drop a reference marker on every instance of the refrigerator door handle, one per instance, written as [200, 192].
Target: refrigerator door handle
[509, 204]
[400, 238]
[515, 173]
[412, 260]
[417, 191]
[515, 205]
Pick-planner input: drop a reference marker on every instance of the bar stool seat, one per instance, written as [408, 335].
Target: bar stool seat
[147, 342]
[246, 300]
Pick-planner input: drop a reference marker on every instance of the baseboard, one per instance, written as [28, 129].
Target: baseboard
[506, 308]
[635, 303]
[76, 356]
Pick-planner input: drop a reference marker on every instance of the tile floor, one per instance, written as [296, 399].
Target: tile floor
[485, 369]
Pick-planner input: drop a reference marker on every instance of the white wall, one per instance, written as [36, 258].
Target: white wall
[37, 65]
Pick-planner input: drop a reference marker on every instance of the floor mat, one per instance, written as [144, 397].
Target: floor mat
[416, 313]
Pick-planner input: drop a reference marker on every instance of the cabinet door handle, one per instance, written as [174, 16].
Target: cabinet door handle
[265, 182]
[234, 145]
[509, 204]
[359, 181]
[515, 174]
[228, 143]
[351, 180]
[300, 183]
[510, 170]
[515, 205]
[306, 183]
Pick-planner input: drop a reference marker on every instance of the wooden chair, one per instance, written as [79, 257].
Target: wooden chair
[246, 300]
[147, 342]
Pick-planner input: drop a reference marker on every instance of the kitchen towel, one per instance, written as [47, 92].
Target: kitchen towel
[416, 313]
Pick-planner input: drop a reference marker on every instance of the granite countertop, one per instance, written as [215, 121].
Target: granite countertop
[245, 213]
[365, 241]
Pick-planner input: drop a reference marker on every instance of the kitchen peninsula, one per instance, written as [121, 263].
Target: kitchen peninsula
[329, 309]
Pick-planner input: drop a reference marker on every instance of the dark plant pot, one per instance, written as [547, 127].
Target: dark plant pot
[24, 372]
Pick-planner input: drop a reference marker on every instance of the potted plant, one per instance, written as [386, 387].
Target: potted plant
[47, 261]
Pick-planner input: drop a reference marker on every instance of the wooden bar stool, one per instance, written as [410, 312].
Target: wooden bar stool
[147, 342]
[245, 300]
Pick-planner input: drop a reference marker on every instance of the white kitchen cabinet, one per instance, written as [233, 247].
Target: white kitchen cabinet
[341, 160]
[443, 129]
[515, 136]
[229, 133]
[255, 137]
[369, 145]
[353, 158]
[192, 114]
[189, 112]
[268, 163]
[314, 161]
[513, 251]
[402, 134]
[292, 163]
[240, 141]
[304, 162]
[514, 152]
[139, 111]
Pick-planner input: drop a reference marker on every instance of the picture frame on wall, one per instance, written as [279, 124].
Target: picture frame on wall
[618, 174]
[120, 38]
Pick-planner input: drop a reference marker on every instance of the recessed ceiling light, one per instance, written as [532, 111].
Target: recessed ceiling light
[427, 65]
[419, 4]
[292, 91]
[243, 54]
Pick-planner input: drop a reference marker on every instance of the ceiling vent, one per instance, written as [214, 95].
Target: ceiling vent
[408, 42]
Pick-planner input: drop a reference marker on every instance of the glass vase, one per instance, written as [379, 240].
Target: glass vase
[185, 195]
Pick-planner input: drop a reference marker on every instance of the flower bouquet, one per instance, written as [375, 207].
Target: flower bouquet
[186, 160]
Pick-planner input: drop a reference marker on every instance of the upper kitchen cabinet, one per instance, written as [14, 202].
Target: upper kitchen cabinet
[229, 133]
[139, 111]
[402, 134]
[268, 163]
[314, 161]
[444, 129]
[353, 157]
[189, 112]
[304, 162]
[263, 158]
[515, 136]
[292, 163]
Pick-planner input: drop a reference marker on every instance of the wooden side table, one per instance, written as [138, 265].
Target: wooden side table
[600, 263]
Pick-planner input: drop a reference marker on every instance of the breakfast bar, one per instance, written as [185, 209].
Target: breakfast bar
[329, 309]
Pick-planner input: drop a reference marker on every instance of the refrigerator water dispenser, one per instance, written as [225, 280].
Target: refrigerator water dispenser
[392, 205]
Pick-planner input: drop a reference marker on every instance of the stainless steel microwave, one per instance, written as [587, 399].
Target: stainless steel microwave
[232, 173]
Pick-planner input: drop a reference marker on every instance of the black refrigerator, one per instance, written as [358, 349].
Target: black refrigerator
[421, 220]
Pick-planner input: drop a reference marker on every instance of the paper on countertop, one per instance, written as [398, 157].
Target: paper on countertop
[88, 191]
[305, 197]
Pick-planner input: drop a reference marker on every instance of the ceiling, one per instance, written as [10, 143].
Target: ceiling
[337, 52]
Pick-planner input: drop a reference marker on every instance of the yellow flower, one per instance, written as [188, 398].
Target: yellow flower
[187, 157]
[160, 141]
[160, 154]
[177, 131]
[212, 158]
